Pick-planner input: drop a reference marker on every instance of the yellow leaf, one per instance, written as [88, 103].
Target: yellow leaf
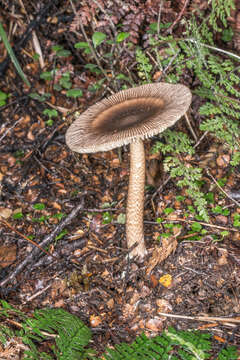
[166, 280]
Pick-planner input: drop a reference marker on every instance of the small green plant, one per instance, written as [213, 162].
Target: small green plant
[236, 220]
[107, 217]
[97, 38]
[46, 75]
[219, 210]
[65, 81]
[144, 65]
[3, 98]
[61, 234]
[51, 113]
[41, 98]
[39, 206]
[168, 210]
[75, 93]
[60, 51]
[17, 216]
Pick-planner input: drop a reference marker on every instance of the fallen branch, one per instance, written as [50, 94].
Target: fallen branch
[46, 241]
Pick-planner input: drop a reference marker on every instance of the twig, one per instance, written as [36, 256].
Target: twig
[190, 127]
[202, 318]
[216, 183]
[12, 127]
[201, 138]
[38, 293]
[45, 242]
[4, 222]
[214, 48]
[179, 17]
[106, 14]
[161, 187]
[206, 224]
[159, 16]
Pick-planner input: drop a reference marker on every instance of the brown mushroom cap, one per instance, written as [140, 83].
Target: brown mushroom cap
[128, 115]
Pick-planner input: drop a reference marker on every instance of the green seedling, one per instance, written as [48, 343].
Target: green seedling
[222, 182]
[59, 216]
[61, 234]
[17, 216]
[180, 198]
[74, 93]
[168, 210]
[98, 38]
[93, 68]
[235, 159]
[51, 113]
[41, 219]
[36, 57]
[106, 205]
[209, 197]
[65, 81]
[46, 75]
[3, 98]
[97, 86]
[121, 219]
[39, 206]
[107, 217]
[60, 51]
[196, 227]
[224, 233]
[220, 210]
[227, 34]
[19, 154]
[122, 36]
[236, 220]
[153, 28]
[84, 46]
[41, 98]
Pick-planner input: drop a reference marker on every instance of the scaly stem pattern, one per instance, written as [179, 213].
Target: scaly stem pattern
[135, 201]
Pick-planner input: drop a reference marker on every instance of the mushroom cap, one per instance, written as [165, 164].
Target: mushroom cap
[127, 116]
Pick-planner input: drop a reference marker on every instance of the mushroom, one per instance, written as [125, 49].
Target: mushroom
[129, 117]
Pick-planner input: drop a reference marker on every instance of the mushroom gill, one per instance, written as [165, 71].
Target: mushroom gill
[128, 117]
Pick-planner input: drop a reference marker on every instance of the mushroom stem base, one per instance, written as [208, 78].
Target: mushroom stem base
[135, 202]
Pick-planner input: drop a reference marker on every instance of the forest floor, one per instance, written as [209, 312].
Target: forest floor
[87, 270]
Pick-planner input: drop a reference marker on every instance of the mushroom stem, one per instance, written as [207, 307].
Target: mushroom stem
[135, 201]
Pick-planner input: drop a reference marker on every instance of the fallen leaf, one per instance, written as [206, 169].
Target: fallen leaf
[7, 255]
[166, 280]
[5, 212]
[155, 324]
[163, 306]
[159, 254]
[95, 320]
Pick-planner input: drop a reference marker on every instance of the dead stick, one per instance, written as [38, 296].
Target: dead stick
[179, 17]
[4, 222]
[46, 241]
[202, 318]
[217, 184]
[206, 224]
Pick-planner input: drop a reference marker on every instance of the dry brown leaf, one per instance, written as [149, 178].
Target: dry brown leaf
[7, 255]
[159, 254]
[5, 213]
